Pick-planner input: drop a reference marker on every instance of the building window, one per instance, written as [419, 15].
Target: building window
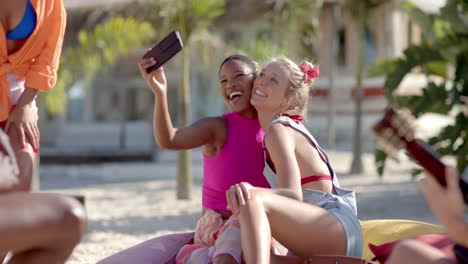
[369, 47]
[341, 59]
[76, 96]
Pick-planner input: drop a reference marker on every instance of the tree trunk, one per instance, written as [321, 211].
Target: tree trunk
[331, 135]
[123, 117]
[356, 165]
[184, 173]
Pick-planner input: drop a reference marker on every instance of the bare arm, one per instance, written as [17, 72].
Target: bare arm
[203, 132]
[281, 146]
[24, 118]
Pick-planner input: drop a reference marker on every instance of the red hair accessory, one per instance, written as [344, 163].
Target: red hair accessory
[310, 71]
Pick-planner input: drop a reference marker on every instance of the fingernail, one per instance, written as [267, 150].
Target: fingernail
[23, 146]
[36, 150]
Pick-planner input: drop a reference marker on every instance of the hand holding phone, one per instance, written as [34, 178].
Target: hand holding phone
[164, 50]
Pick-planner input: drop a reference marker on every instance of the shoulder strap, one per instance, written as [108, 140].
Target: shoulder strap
[289, 122]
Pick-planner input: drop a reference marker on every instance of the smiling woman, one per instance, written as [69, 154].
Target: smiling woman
[305, 193]
[236, 87]
[228, 140]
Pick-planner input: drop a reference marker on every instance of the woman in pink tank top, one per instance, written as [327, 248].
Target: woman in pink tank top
[232, 154]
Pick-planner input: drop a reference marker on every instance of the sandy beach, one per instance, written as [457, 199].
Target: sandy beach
[128, 203]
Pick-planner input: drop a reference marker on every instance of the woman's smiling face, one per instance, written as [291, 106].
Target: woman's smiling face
[270, 88]
[235, 81]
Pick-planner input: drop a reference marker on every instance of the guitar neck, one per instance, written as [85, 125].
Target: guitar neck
[428, 159]
[431, 162]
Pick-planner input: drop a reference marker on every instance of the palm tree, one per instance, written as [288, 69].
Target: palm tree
[361, 11]
[190, 16]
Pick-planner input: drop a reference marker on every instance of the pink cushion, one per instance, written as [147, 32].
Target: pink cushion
[161, 249]
[439, 241]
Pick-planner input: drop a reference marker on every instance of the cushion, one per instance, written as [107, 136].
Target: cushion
[378, 232]
[439, 241]
[161, 249]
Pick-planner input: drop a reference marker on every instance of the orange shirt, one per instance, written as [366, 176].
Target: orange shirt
[38, 59]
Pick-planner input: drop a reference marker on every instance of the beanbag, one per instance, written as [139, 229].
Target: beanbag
[379, 232]
[161, 249]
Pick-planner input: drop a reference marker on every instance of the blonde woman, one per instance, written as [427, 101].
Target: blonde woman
[306, 211]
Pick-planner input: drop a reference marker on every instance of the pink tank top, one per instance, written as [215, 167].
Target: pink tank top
[241, 159]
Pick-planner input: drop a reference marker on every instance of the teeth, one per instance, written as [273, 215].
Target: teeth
[259, 93]
[231, 95]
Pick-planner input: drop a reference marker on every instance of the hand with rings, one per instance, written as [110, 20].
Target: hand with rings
[237, 195]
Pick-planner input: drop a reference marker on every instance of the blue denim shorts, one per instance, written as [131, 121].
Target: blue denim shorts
[340, 207]
[352, 228]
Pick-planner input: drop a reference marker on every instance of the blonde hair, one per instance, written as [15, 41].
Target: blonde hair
[299, 86]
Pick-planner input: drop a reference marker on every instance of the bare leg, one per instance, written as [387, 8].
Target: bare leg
[25, 158]
[411, 251]
[45, 227]
[305, 229]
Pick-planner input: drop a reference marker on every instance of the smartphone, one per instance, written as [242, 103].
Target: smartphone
[164, 50]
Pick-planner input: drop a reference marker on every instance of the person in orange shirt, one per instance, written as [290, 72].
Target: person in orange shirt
[31, 36]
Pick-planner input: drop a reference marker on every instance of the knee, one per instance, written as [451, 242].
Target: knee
[254, 203]
[71, 219]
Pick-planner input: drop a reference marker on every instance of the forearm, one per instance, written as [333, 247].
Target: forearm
[164, 131]
[27, 97]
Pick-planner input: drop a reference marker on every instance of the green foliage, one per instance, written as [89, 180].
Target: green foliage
[288, 28]
[380, 158]
[381, 67]
[94, 53]
[413, 56]
[448, 47]
[193, 14]
[362, 10]
[309, 40]
[261, 50]
[298, 17]
[425, 21]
